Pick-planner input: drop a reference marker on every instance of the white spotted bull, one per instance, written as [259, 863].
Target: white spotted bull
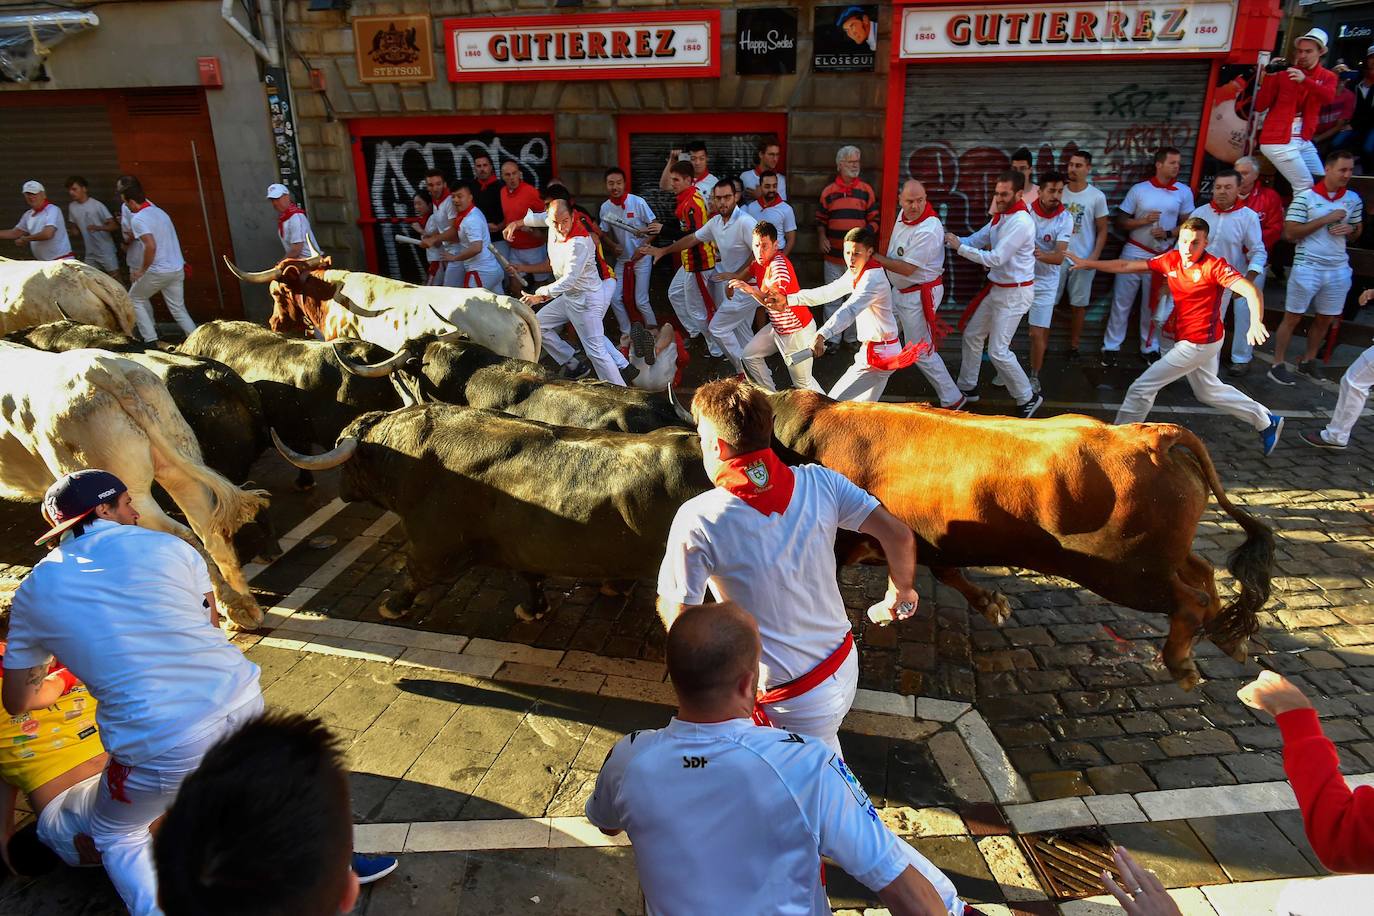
[36, 292]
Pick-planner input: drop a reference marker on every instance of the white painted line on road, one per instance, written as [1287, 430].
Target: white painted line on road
[297, 534]
[991, 759]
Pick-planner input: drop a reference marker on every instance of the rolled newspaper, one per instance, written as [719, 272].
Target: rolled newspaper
[881, 613]
[407, 240]
[525, 279]
[613, 220]
[799, 356]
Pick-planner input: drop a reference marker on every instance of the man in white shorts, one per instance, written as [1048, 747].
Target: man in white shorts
[1053, 230]
[1293, 100]
[94, 221]
[632, 270]
[771, 206]
[915, 265]
[781, 570]
[728, 817]
[1235, 236]
[41, 228]
[1320, 223]
[1088, 205]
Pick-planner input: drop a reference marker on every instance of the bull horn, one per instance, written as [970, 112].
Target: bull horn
[61, 311]
[682, 413]
[363, 370]
[355, 308]
[260, 276]
[330, 459]
[439, 315]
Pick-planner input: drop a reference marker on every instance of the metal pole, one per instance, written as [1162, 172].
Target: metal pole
[209, 236]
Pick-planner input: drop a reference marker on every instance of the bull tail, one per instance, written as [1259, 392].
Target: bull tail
[111, 296]
[527, 315]
[1252, 563]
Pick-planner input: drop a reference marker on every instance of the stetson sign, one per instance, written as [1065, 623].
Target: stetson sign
[594, 46]
[1068, 29]
[393, 49]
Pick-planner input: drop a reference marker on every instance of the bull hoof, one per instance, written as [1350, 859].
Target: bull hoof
[391, 613]
[997, 609]
[1187, 676]
[1241, 652]
[524, 615]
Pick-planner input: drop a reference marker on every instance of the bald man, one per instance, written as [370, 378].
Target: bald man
[915, 265]
[729, 817]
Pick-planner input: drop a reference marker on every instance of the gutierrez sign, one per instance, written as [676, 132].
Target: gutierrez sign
[1072, 29]
[585, 47]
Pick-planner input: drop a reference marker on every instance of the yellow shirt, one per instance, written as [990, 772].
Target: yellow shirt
[39, 746]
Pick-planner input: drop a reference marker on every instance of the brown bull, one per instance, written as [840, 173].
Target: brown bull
[1112, 508]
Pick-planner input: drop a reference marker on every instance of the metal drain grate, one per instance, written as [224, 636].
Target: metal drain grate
[1069, 863]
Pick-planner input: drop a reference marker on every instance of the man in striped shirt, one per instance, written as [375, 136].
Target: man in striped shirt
[846, 203]
[690, 292]
[790, 328]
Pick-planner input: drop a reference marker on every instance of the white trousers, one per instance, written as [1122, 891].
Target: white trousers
[732, 325]
[172, 286]
[1125, 290]
[458, 274]
[994, 324]
[586, 313]
[120, 828]
[1242, 351]
[641, 270]
[1296, 160]
[766, 342]
[1355, 385]
[68, 816]
[1197, 363]
[819, 712]
[914, 327]
[832, 272]
[861, 381]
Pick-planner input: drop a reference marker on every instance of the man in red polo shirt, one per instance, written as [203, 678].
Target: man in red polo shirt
[846, 203]
[1294, 100]
[518, 197]
[1196, 281]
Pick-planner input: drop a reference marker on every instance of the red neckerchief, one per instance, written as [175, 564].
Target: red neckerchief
[1320, 188]
[285, 215]
[870, 264]
[42, 205]
[760, 479]
[458, 217]
[1043, 214]
[685, 197]
[1018, 207]
[483, 185]
[439, 200]
[845, 184]
[620, 201]
[1231, 209]
[1172, 186]
[136, 207]
[926, 214]
[772, 201]
[578, 230]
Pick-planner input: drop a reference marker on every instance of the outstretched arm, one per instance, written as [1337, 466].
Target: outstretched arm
[1117, 266]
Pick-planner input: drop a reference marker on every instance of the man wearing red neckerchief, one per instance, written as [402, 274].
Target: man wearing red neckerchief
[1294, 100]
[41, 228]
[772, 207]
[915, 264]
[632, 270]
[293, 227]
[768, 152]
[1236, 237]
[1053, 230]
[764, 538]
[488, 193]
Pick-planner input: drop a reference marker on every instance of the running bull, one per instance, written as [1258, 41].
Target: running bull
[1112, 508]
[348, 303]
[35, 292]
[478, 487]
[61, 412]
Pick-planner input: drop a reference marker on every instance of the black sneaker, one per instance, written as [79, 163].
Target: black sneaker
[1027, 410]
[1279, 373]
[970, 397]
[1312, 369]
[1107, 358]
[578, 369]
[642, 343]
[1150, 358]
[1238, 370]
[1074, 356]
[629, 373]
[1320, 441]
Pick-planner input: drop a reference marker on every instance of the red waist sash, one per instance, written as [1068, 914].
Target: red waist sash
[798, 686]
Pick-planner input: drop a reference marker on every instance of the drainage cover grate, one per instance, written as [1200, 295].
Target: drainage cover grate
[1069, 863]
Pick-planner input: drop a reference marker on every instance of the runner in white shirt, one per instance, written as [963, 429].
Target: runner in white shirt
[993, 316]
[915, 265]
[729, 817]
[163, 269]
[131, 614]
[1053, 230]
[42, 228]
[867, 305]
[790, 329]
[1237, 238]
[1089, 208]
[293, 226]
[93, 220]
[772, 207]
[781, 570]
[441, 229]
[1151, 213]
[632, 270]
[469, 256]
[1320, 222]
[768, 153]
[424, 221]
[133, 248]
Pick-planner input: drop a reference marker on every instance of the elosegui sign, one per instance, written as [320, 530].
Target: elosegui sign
[1066, 29]
[594, 46]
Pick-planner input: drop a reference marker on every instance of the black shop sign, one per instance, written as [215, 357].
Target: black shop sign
[766, 41]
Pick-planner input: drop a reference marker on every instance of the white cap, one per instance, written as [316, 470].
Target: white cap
[276, 190]
[1317, 35]
[33, 187]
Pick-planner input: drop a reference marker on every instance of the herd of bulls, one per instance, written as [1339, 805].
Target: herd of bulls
[490, 459]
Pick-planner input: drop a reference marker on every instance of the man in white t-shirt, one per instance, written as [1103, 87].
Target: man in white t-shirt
[42, 228]
[163, 269]
[1236, 237]
[1151, 213]
[1053, 229]
[293, 226]
[702, 179]
[471, 265]
[1088, 206]
[133, 248]
[93, 220]
[764, 538]
[728, 817]
[632, 270]
[771, 206]
[768, 153]
[131, 614]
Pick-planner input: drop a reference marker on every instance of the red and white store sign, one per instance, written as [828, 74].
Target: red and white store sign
[596, 46]
[1070, 29]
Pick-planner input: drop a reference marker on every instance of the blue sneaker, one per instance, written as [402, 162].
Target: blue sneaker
[1270, 437]
[373, 868]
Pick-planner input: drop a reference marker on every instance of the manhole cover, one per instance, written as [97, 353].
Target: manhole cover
[1069, 863]
[322, 541]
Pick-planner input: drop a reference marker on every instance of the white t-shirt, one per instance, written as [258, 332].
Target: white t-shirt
[635, 211]
[1321, 248]
[705, 183]
[59, 245]
[867, 305]
[100, 247]
[432, 228]
[133, 249]
[1174, 203]
[1049, 232]
[734, 240]
[1235, 236]
[472, 229]
[297, 230]
[727, 817]
[750, 179]
[153, 220]
[779, 568]
[1087, 206]
[123, 608]
[780, 214]
[922, 244]
[445, 214]
[1007, 249]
